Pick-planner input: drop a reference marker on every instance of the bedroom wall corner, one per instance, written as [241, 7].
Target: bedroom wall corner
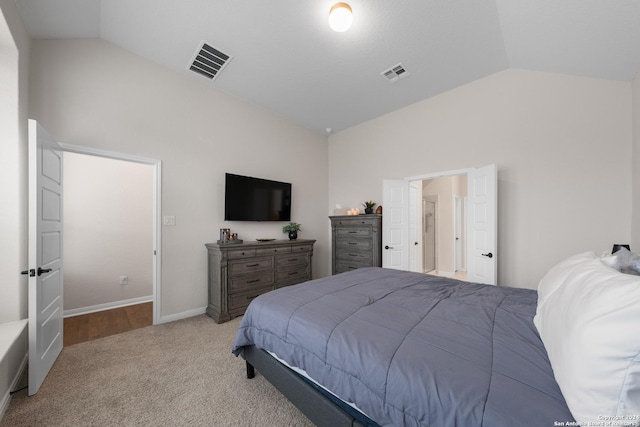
[561, 145]
[91, 93]
[635, 166]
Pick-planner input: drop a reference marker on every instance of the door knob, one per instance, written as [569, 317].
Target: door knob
[31, 272]
[43, 270]
[388, 247]
[489, 255]
[415, 243]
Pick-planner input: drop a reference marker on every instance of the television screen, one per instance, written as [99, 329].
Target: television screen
[255, 199]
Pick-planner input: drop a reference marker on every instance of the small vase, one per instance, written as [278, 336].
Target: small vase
[293, 235]
[368, 210]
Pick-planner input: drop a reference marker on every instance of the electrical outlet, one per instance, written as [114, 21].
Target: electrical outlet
[169, 220]
[124, 280]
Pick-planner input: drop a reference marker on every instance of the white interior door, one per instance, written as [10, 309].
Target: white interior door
[45, 254]
[482, 221]
[415, 213]
[395, 224]
[458, 232]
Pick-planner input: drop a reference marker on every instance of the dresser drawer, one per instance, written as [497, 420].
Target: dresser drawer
[301, 273]
[354, 244]
[342, 266]
[249, 265]
[354, 256]
[292, 276]
[241, 282]
[239, 302]
[272, 251]
[241, 253]
[304, 248]
[292, 260]
[354, 232]
[358, 221]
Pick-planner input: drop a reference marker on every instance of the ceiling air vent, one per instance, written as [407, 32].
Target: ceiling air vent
[395, 73]
[209, 61]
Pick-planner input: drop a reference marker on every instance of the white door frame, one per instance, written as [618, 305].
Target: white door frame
[157, 212]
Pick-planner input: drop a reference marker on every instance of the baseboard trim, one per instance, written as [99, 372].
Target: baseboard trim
[183, 315]
[107, 306]
[445, 273]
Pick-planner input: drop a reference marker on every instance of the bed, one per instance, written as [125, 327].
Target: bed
[385, 347]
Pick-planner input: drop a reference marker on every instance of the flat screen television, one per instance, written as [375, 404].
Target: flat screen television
[254, 199]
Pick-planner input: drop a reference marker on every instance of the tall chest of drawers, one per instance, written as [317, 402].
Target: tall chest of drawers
[240, 272]
[356, 242]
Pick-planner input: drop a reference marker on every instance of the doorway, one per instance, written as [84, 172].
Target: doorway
[112, 255]
[443, 230]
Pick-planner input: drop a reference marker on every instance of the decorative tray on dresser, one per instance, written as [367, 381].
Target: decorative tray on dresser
[240, 272]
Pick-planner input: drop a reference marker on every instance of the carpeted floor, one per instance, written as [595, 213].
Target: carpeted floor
[177, 374]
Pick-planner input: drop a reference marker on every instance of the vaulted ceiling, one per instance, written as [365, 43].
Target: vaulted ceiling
[287, 59]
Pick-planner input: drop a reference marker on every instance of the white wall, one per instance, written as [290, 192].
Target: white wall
[635, 166]
[14, 63]
[94, 94]
[561, 145]
[108, 230]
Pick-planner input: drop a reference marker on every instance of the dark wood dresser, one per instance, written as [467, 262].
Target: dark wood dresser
[356, 242]
[239, 272]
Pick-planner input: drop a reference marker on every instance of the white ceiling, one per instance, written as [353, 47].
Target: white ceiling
[287, 59]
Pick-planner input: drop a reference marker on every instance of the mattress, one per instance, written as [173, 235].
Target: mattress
[413, 349]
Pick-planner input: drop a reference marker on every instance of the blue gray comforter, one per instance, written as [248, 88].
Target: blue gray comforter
[413, 349]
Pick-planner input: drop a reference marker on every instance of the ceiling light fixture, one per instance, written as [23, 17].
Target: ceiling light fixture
[340, 17]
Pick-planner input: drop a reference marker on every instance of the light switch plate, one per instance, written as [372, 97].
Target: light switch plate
[169, 220]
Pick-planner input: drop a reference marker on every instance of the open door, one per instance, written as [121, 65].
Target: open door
[395, 224]
[482, 221]
[415, 229]
[45, 254]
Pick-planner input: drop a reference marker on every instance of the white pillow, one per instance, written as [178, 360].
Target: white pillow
[556, 276]
[589, 322]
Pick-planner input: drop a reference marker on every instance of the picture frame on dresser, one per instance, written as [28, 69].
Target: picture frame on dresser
[239, 273]
[356, 242]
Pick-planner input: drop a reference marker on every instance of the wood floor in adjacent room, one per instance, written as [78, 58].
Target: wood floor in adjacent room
[87, 327]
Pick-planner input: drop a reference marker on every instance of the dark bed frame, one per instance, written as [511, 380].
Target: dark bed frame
[312, 402]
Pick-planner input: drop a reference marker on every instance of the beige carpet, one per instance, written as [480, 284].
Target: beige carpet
[177, 374]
